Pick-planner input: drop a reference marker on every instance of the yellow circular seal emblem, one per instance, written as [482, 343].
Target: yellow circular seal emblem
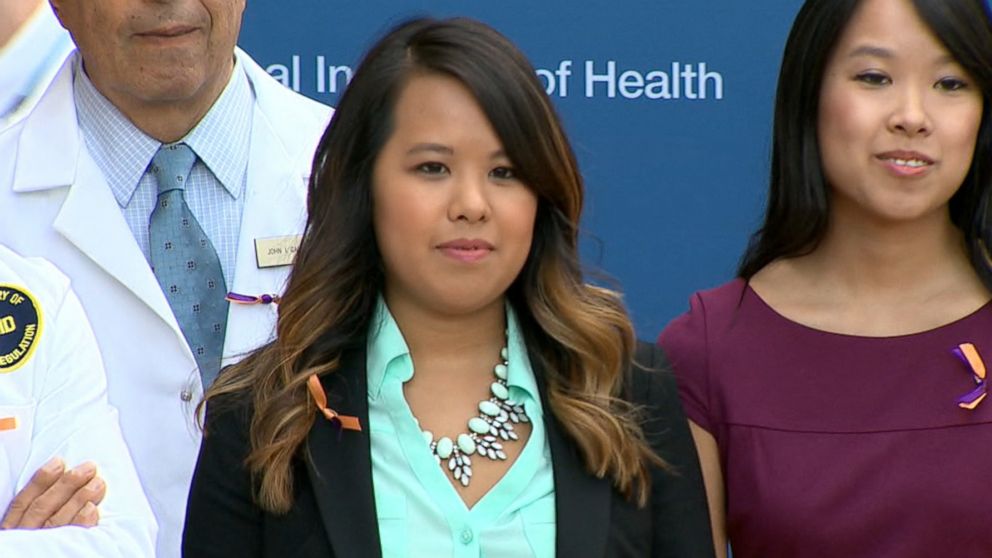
[20, 327]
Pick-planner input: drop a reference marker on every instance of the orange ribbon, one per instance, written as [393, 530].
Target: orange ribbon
[8, 423]
[342, 421]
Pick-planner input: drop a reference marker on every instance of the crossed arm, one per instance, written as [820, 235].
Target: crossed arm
[71, 419]
[56, 497]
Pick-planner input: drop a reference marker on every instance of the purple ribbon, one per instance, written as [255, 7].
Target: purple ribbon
[249, 299]
[968, 355]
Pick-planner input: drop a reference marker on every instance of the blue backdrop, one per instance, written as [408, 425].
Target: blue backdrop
[668, 105]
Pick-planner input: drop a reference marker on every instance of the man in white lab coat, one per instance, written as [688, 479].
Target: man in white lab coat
[54, 410]
[77, 186]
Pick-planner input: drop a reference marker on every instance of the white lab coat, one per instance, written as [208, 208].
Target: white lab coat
[55, 203]
[56, 400]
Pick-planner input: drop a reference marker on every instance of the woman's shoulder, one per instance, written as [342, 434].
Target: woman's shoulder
[709, 310]
[719, 300]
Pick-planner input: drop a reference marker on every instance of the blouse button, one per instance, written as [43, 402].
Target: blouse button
[186, 395]
[466, 535]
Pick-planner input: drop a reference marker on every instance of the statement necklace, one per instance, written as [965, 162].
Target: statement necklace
[486, 432]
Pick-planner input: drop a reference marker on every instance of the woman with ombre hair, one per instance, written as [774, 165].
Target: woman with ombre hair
[443, 380]
[837, 388]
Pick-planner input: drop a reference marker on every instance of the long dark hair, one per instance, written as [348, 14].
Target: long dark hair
[798, 207]
[579, 335]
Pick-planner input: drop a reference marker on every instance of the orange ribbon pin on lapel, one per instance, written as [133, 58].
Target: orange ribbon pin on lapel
[344, 422]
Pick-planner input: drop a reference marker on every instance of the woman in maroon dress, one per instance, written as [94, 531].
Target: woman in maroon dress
[836, 388]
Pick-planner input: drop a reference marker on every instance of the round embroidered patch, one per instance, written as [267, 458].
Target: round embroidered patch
[20, 327]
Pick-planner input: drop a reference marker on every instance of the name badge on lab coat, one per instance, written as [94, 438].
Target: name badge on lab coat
[276, 251]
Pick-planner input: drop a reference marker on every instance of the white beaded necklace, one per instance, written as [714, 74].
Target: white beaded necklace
[485, 431]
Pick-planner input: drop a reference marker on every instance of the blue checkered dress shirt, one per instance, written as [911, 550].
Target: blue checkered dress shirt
[215, 191]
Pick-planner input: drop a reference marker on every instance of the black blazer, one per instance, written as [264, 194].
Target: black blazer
[333, 513]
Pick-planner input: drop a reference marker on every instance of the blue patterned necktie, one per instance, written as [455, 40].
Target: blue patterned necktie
[185, 262]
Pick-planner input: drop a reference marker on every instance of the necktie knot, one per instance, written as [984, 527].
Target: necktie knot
[171, 166]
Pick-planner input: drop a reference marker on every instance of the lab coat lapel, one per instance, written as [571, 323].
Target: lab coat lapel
[89, 217]
[92, 221]
[275, 205]
[340, 465]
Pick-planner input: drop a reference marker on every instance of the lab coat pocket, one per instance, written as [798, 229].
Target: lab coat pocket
[390, 510]
[539, 525]
[16, 426]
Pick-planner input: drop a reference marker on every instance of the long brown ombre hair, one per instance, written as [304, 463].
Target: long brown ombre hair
[578, 335]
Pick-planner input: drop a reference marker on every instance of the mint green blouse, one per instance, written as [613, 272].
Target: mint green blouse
[418, 511]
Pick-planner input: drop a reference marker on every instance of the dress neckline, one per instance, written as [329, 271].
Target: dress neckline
[769, 309]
